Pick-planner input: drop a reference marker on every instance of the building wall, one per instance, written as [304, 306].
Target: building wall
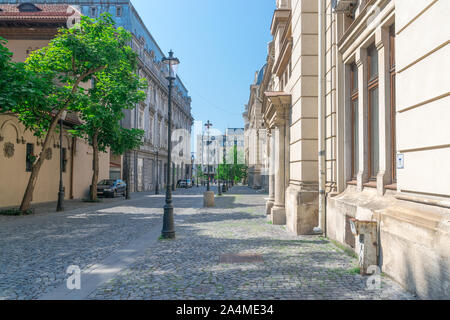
[15, 177]
[301, 194]
[411, 213]
[423, 96]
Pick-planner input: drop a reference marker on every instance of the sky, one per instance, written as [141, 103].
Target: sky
[220, 44]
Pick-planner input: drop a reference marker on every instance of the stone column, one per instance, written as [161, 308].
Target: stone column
[361, 63]
[278, 210]
[382, 44]
[270, 147]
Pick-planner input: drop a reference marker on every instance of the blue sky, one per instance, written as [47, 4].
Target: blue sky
[220, 44]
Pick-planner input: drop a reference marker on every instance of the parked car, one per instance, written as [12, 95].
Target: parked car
[111, 188]
[184, 184]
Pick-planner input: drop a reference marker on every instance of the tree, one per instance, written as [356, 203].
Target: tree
[72, 58]
[19, 86]
[114, 89]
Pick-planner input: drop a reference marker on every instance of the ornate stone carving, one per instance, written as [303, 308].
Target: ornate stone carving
[8, 150]
[48, 154]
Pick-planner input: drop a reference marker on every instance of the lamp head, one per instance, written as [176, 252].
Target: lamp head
[172, 64]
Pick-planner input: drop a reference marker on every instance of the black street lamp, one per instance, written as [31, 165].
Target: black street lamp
[208, 125]
[59, 206]
[192, 169]
[157, 174]
[168, 230]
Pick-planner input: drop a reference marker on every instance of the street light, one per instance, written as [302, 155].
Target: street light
[208, 125]
[168, 230]
[59, 206]
[192, 169]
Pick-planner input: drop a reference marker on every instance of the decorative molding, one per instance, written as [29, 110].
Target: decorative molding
[48, 154]
[8, 150]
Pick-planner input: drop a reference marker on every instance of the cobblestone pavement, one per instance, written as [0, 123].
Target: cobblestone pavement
[36, 250]
[305, 267]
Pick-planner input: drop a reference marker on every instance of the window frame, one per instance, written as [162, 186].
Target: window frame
[393, 111]
[29, 151]
[372, 85]
[354, 97]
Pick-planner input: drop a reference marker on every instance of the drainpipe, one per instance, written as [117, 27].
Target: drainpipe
[321, 228]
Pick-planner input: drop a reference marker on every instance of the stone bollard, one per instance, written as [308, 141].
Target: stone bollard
[208, 199]
[366, 243]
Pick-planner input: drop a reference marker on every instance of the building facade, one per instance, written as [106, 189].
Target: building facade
[386, 102]
[255, 136]
[147, 166]
[356, 110]
[27, 28]
[216, 149]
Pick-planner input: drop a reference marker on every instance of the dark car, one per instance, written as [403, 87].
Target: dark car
[111, 188]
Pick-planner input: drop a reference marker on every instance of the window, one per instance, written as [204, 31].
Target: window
[354, 120]
[64, 159]
[93, 11]
[393, 106]
[118, 11]
[373, 112]
[141, 119]
[30, 157]
[28, 7]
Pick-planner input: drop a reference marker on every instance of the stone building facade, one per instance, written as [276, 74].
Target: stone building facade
[255, 136]
[147, 166]
[370, 103]
[387, 98]
[218, 148]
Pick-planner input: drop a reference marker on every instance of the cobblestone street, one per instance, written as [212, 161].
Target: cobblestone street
[291, 267]
[36, 251]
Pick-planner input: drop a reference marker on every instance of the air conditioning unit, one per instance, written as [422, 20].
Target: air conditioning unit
[343, 5]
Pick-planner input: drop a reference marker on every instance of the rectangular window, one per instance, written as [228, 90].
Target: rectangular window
[374, 132]
[64, 159]
[354, 120]
[118, 11]
[355, 138]
[373, 112]
[93, 11]
[372, 54]
[29, 157]
[393, 106]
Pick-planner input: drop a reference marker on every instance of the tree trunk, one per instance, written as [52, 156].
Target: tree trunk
[26, 200]
[95, 174]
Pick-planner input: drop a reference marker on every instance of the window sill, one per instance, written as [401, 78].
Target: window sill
[371, 184]
[391, 187]
[353, 182]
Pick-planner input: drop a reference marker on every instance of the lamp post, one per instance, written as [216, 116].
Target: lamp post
[59, 206]
[192, 169]
[207, 125]
[168, 230]
[157, 174]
